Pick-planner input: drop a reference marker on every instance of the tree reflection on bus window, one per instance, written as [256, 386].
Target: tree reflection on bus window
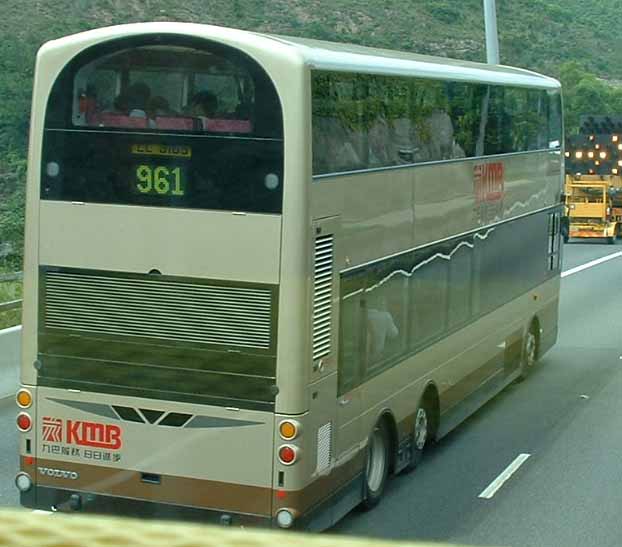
[369, 121]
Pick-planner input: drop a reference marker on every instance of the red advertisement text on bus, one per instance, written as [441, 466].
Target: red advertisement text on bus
[489, 182]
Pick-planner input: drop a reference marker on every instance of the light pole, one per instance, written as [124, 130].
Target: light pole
[492, 35]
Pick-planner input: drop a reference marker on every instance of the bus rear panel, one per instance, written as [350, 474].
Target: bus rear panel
[156, 336]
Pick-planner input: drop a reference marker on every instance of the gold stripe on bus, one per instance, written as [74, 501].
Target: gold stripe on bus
[174, 151]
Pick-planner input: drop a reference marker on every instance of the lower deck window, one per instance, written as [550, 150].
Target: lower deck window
[399, 306]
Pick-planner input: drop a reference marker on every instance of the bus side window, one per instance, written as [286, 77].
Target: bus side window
[428, 296]
[387, 314]
[338, 136]
[382, 330]
[460, 284]
[554, 119]
[352, 341]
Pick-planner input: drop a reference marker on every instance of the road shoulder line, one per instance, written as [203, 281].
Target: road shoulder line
[590, 264]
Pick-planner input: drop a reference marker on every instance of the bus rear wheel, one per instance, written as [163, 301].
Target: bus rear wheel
[420, 437]
[376, 467]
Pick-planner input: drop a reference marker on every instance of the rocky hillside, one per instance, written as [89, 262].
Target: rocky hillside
[536, 34]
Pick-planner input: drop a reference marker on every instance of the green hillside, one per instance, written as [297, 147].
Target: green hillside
[536, 34]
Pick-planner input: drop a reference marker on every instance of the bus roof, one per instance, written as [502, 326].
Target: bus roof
[323, 55]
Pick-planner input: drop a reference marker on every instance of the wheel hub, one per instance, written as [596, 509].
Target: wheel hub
[530, 349]
[421, 428]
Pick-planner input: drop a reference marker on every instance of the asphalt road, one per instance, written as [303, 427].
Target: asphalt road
[9, 461]
[567, 415]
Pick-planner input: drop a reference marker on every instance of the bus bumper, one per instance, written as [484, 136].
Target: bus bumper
[607, 229]
[60, 500]
[586, 233]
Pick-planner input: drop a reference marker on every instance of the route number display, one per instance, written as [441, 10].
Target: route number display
[160, 180]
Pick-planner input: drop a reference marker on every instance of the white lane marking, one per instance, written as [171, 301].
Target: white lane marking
[590, 264]
[40, 512]
[492, 488]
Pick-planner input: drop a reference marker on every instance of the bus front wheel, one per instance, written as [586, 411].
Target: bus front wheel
[530, 351]
[376, 467]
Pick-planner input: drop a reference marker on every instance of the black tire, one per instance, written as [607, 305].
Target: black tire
[565, 229]
[376, 467]
[421, 435]
[611, 240]
[529, 354]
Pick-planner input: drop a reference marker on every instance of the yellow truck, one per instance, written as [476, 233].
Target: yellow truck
[593, 207]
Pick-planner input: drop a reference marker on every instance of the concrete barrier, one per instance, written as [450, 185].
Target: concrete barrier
[25, 529]
[10, 352]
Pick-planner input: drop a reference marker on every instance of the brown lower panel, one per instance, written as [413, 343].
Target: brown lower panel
[174, 490]
[470, 383]
[513, 351]
[194, 492]
[322, 488]
[506, 360]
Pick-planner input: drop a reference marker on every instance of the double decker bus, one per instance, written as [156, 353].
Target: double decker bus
[263, 273]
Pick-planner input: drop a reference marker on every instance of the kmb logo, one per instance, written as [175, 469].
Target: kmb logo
[82, 433]
[489, 182]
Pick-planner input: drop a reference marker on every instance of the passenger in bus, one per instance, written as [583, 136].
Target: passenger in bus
[204, 104]
[161, 116]
[121, 102]
[137, 98]
[159, 106]
[380, 328]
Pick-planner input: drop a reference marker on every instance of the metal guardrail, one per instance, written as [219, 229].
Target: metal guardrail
[10, 342]
[10, 356]
[18, 276]
[13, 304]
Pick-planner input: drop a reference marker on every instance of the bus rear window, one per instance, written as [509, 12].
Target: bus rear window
[164, 122]
[164, 88]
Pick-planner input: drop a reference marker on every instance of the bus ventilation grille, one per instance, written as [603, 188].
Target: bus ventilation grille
[162, 309]
[324, 440]
[322, 294]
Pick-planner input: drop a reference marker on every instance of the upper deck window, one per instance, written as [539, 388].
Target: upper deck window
[165, 122]
[366, 121]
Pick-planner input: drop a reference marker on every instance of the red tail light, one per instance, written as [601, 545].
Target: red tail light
[24, 422]
[288, 454]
